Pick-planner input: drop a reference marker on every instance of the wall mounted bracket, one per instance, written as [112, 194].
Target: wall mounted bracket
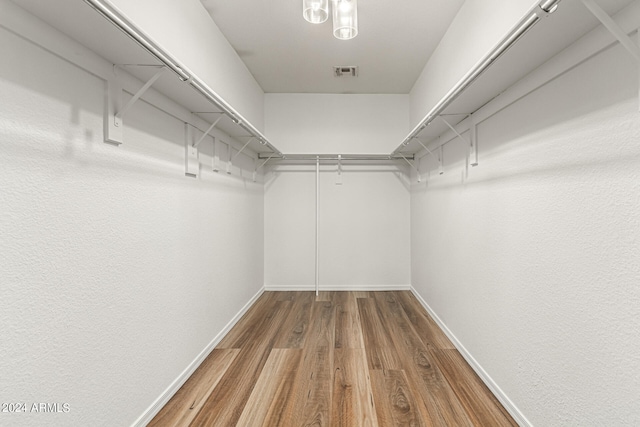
[613, 28]
[255, 172]
[191, 162]
[115, 111]
[473, 143]
[254, 175]
[243, 147]
[412, 166]
[204, 135]
[453, 129]
[229, 158]
[438, 159]
[215, 159]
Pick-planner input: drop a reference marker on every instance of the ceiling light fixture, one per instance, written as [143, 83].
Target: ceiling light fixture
[344, 12]
[315, 11]
[345, 19]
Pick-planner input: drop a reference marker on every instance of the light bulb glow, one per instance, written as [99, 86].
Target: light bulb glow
[344, 6]
[315, 11]
[345, 19]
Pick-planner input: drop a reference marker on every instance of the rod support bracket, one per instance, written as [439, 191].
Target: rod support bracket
[191, 162]
[611, 25]
[204, 135]
[412, 167]
[115, 111]
[113, 125]
[473, 142]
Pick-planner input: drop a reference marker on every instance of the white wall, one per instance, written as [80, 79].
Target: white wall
[364, 228]
[336, 123]
[185, 30]
[531, 260]
[476, 29]
[116, 270]
[364, 223]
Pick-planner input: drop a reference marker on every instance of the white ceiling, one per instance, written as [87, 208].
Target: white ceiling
[286, 54]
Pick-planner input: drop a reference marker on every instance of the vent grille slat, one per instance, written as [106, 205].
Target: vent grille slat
[345, 71]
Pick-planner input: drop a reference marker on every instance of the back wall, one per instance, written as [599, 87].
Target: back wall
[364, 222]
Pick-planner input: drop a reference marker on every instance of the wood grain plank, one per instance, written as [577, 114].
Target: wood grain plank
[348, 327]
[401, 374]
[322, 324]
[352, 403]
[381, 352]
[394, 400]
[295, 327]
[267, 405]
[426, 327]
[324, 296]
[189, 399]
[424, 376]
[242, 331]
[228, 399]
[361, 294]
[286, 295]
[311, 394]
[481, 405]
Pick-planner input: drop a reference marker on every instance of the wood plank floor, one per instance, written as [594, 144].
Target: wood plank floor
[339, 359]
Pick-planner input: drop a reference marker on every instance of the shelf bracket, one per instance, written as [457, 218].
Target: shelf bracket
[453, 129]
[412, 166]
[339, 177]
[114, 111]
[119, 114]
[229, 158]
[265, 162]
[437, 158]
[473, 143]
[191, 163]
[215, 160]
[113, 127]
[613, 28]
[243, 147]
[255, 172]
[425, 147]
[204, 135]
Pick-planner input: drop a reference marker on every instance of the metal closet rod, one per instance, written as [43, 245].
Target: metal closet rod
[525, 24]
[337, 157]
[114, 16]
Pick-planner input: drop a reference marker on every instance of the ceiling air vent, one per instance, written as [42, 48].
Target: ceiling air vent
[345, 71]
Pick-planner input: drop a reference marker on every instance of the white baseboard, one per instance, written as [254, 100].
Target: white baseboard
[361, 288]
[162, 400]
[495, 389]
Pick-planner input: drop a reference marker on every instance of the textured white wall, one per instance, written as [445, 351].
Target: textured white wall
[364, 223]
[336, 123]
[116, 270]
[531, 259]
[364, 228]
[478, 26]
